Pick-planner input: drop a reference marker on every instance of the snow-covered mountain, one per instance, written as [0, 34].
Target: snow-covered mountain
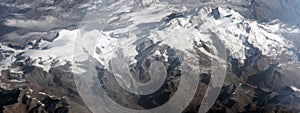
[258, 55]
[196, 28]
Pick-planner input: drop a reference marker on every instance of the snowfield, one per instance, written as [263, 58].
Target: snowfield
[161, 24]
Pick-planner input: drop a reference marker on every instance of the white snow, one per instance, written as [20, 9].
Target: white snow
[42, 93]
[17, 81]
[60, 49]
[295, 88]
[77, 45]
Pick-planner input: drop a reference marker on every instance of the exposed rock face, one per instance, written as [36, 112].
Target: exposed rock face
[27, 104]
[8, 97]
[50, 92]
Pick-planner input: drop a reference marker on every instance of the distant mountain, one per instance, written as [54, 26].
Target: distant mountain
[45, 43]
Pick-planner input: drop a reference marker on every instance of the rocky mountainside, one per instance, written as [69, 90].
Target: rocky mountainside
[43, 46]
